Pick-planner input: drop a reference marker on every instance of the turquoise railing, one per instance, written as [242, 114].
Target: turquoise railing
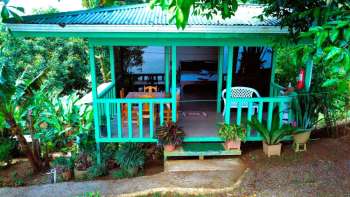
[276, 89]
[263, 108]
[114, 126]
[122, 120]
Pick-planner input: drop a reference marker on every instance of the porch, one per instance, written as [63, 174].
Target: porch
[198, 118]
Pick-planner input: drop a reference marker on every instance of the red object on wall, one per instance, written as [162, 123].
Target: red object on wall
[301, 79]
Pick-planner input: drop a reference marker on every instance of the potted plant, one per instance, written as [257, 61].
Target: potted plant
[305, 113]
[170, 136]
[130, 157]
[64, 166]
[233, 135]
[271, 137]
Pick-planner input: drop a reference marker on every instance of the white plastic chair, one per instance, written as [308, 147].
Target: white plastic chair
[240, 92]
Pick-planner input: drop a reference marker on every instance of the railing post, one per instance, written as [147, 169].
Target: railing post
[229, 84]
[273, 69]
[111, 61]
[166, 72]
[94, 98]
[220, 67]
[173, 82]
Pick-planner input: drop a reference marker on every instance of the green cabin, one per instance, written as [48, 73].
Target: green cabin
[131, 116]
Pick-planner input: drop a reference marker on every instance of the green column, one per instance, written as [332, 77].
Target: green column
[111, 60]
[273, 70]
[166, 70]
[229, 83]
[220, 67]
[94, 98]
[308, 75]
[173, 82]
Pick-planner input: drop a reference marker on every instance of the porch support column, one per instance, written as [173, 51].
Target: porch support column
[166, 70]
[229, 84]
[308, 75]
[94, 98]
[112, 70]
[273, 70]
[111, 61]
[173, 82]
[219, 86]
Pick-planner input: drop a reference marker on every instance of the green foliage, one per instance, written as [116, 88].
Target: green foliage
[180, 10]
[16, 180]
[8, 11]
[287, 67]
[305, 110]
[120, 174]
[275, 134]
[170, 133]
[130, 155]
[232, 132]
[91, 194]
[6, 149]
[97, 170]
[62, 61]
[63, 164]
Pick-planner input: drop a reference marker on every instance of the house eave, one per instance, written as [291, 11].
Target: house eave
[80, 30]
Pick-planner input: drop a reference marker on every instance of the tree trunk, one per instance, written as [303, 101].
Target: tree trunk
[16, 131]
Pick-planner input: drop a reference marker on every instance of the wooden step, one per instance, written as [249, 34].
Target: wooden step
[232, 164]
[200, 150]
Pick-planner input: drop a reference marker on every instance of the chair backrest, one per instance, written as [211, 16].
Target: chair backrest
[241, 92]
[122, 93]
[145, 106]
[244, 92]
[150, 89]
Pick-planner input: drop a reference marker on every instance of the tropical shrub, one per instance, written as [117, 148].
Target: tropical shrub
[305, 110]
[97, 170]
[275, 134]
[232, 132]
[130, 155]
[7, 146]
[170, 134]
[63, 164]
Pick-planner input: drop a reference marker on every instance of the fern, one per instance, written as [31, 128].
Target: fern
[275, 134]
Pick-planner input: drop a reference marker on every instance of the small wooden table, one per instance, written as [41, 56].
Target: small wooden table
[145, 94]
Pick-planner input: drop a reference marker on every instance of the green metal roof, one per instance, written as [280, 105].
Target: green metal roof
[142, 15]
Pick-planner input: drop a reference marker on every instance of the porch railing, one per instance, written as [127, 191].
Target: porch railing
[257, 106]
[276, 89]
[122, 120]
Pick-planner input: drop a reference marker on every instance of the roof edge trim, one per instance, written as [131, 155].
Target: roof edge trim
[53, 28]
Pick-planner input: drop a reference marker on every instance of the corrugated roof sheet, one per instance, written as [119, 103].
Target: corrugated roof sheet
[142, 15]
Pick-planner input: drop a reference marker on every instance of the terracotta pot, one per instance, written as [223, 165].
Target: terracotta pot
[132, 171]
[301, 138]
[80, 174]
[233, 144]
[67, 175]
[169, 147]
[271, 150]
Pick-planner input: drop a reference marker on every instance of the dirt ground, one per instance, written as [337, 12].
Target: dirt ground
[324, 170]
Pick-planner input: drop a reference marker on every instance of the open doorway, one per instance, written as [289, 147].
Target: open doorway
[198, 74]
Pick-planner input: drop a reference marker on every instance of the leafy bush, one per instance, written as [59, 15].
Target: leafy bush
[120, 174]
[17, 181]
[63, 164]
[130, 155]
[171, 133]
[6, 147]
[305, 110]
[97, 170]
[275, 134]
[232, 132]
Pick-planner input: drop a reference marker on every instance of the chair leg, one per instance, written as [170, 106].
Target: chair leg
[223, 112]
